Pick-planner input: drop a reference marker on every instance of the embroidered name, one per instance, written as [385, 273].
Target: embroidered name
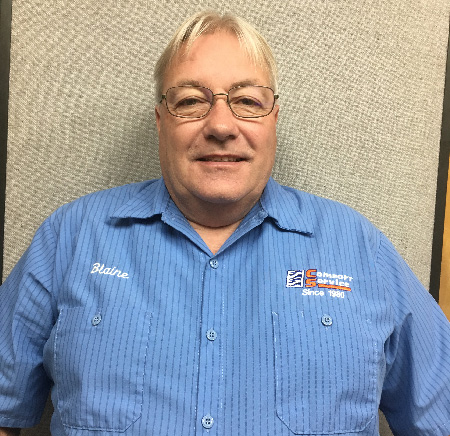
[100, 269]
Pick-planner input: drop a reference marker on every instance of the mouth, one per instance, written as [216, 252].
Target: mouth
[221, 159]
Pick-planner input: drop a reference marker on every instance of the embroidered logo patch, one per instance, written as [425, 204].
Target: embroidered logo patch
[319, 283]
[294, 279]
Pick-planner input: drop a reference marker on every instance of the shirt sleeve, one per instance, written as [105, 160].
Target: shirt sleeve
[416, 391]
[26, 320]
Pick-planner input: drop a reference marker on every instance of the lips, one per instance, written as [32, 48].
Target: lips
[221, 159]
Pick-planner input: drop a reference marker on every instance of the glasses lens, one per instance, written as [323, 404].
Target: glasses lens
[188, 101]
[251, 101]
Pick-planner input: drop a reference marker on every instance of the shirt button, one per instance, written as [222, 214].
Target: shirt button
[96, 320]
[327, 320]
[207, 421]
[211, 335]
[214, 263]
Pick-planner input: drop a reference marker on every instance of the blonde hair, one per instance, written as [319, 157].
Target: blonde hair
[209, 22]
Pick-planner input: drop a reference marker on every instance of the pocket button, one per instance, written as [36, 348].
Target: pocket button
[207, 421]
[327, 320]
[96, 320]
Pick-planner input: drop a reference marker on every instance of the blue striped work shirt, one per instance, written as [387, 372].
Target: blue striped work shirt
[305, 322]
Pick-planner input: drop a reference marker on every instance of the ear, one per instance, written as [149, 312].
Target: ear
[276, 111]
[158, 117]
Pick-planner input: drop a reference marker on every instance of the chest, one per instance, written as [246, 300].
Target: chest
[276, 323]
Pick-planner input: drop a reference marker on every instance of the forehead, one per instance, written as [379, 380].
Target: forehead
[217, 61]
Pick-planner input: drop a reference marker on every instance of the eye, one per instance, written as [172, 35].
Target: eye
[190, 101]
[246, 100]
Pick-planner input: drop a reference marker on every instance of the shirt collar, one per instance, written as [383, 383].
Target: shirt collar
[283, 204]
[286, 206]
[152, 200]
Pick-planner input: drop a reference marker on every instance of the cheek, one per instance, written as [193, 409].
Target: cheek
[168, 142]
[176, 145]
[180, 136]
[263, 140]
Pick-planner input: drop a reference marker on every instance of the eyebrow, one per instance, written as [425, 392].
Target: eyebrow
[189, 83]
[246, 82]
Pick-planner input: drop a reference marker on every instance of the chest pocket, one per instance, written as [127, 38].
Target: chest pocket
[326, 372]
[99, 366]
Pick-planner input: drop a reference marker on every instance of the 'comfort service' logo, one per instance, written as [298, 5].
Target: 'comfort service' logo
[319, 283]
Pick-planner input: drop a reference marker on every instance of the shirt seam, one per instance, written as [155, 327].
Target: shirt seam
[55, 244]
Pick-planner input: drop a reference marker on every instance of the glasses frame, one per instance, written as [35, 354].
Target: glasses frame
[275, 98]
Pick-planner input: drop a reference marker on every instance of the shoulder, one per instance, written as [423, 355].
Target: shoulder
[96, 207]
[104, 201]
[322, 215]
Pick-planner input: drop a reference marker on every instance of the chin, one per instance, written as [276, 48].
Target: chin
[227, 197]
[220, 199]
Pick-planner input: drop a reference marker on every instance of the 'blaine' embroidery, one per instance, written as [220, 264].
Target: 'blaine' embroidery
[100, 269]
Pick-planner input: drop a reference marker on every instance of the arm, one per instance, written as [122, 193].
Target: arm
[26, 320]
[416, 391]
[9, 431]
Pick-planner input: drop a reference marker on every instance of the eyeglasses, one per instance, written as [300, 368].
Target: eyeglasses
[196, 101]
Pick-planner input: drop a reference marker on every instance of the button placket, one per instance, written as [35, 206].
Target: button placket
[211, 352]
[214, 263]
[211, 335]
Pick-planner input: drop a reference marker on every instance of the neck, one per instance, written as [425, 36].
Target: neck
[214, 237]
[215, 223]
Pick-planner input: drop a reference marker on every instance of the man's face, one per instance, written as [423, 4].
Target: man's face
[220, 158]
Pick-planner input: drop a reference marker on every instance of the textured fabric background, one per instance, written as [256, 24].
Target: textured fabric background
[361, 85]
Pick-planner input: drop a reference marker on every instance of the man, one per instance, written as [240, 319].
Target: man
[214, 300]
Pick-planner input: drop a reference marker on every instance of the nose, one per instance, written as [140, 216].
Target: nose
[220, 123]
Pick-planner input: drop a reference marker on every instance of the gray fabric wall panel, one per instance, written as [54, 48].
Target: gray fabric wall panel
[361, 85]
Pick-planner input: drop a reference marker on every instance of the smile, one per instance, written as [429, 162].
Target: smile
[221, 159]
